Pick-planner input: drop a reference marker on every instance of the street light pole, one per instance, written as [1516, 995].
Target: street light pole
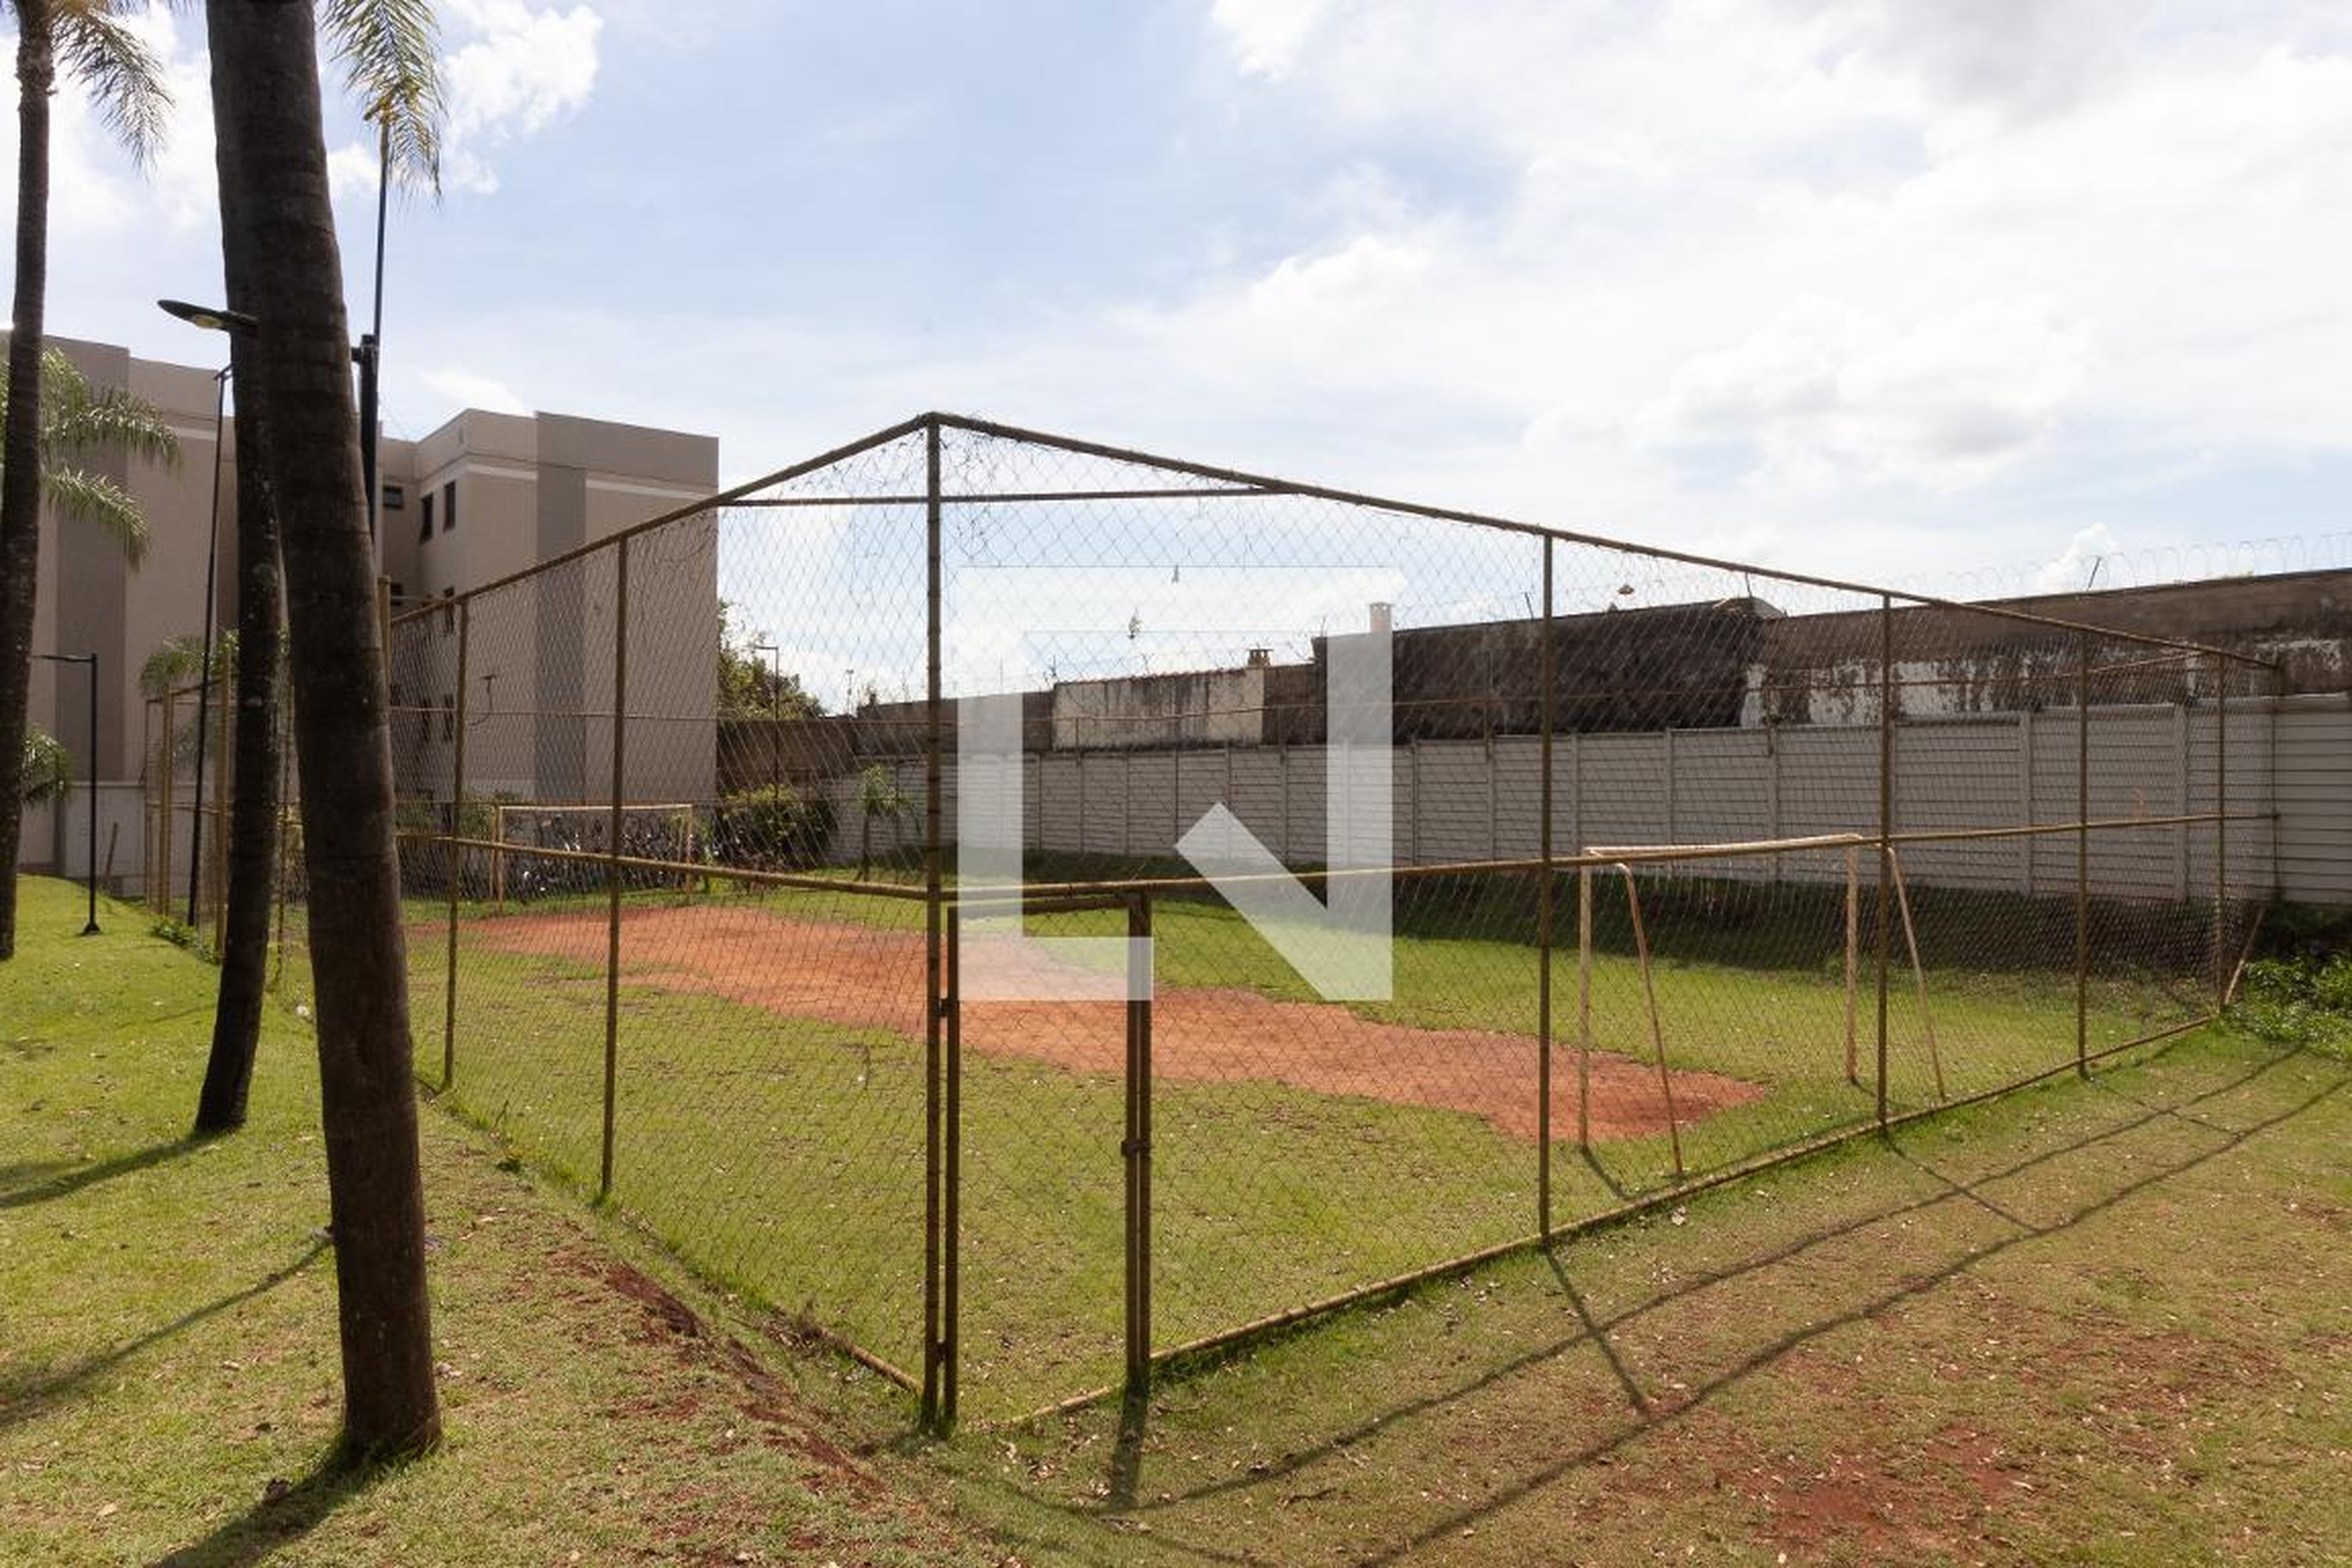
[89, 771]
[775, 711]
[370, 352]
[204, 663]
[216, 319]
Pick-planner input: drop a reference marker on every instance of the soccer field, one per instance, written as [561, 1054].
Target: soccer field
[769, 1108]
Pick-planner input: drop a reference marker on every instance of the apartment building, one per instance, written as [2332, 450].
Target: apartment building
[479, 499]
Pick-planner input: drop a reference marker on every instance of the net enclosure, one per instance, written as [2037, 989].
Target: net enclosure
[1033, 913]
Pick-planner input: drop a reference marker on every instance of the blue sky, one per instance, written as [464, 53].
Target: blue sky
[1886, 288]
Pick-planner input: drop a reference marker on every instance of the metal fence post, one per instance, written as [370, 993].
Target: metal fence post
[613, 862]
[1543, 924]
[223, 784]
[1137, 1148]
[2082, 856]
[158, 890]
[1886, 821]
[933, 959]
[1583, 1004]
[951, 1175]
[457, 853]
[2222, 831]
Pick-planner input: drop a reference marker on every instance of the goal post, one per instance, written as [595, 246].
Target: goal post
[653, 830]
[1626, 859]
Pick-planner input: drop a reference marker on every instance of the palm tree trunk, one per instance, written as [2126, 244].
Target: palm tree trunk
[253, 802]
[20, 444]
[281, 226]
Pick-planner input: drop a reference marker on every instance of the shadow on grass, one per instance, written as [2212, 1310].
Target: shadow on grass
[1646, 1413]
[21, 1399]
[281, 1518]
[23, 1185]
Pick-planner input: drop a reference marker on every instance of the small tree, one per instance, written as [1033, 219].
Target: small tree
[878, 798]
[750, 689]
[48, 768]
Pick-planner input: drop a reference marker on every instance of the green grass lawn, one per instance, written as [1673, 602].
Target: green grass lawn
[168, 1367]
[2096, 1323]
[785, 1155]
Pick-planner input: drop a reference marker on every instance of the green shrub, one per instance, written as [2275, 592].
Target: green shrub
[772, 826]
[2300, 1001]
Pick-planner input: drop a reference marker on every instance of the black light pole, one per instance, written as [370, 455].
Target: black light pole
[775, 706]
[218, 320]
[205, 660]
[90, 770]
[370, 352]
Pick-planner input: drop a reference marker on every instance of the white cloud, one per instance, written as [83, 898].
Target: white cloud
[2071, 569]
[353, 170]
[1265, 35]
[522, 68]
[1826, 396]
[469, 389]
[1370, 270]
[1894, 264]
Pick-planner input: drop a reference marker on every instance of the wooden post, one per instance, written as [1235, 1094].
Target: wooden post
[1657, 1030]
[1918, 973]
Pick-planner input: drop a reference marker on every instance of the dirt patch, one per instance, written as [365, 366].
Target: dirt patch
[760, 1396]
[867, 978]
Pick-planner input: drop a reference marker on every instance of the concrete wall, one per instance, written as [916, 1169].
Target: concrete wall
[1474, 800]
[1194, 708]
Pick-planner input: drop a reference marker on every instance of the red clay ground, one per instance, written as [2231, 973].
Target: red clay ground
[867, 978]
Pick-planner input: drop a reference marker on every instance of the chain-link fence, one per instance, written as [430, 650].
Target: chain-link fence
[1685, 865]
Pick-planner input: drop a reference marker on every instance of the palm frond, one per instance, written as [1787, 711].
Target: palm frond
[389, 51]
[116, 68]
[87, 497]
[175, 661]
[112, 420]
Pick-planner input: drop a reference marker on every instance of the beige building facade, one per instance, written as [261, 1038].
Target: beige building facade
[482, 497]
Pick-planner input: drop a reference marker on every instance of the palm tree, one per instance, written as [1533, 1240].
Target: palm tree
[388, 52]
[77, 419]
[284, 269]
[127, 82]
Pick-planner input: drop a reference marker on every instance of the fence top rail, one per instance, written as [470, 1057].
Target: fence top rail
[1236, 482]
[1105, 893]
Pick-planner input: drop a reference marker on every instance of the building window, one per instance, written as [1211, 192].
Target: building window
[449, 507]
[425, 509]
[396, 496]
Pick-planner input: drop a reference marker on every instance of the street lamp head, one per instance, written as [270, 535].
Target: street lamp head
[211, 317]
